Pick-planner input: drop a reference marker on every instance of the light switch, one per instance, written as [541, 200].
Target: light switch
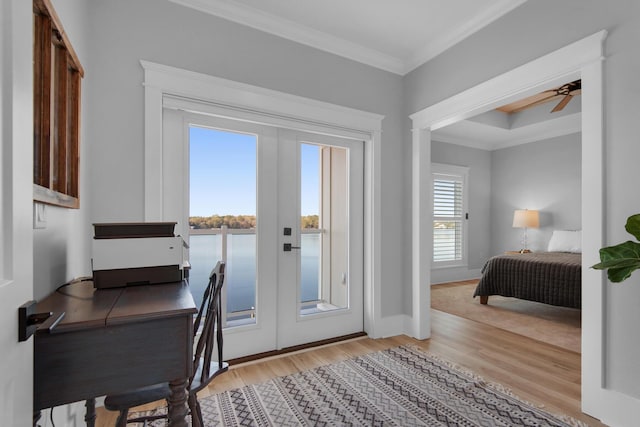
[39, 215]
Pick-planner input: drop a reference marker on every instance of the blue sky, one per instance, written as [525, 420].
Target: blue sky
[223, 174]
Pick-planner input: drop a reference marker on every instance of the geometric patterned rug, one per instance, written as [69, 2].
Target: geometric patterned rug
[401, 386]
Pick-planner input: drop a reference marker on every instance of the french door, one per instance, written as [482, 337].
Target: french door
[284, 208]
[320, 284]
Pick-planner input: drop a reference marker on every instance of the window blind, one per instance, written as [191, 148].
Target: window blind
[448, 217]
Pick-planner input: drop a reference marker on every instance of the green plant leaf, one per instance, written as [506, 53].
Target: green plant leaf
[615, 263]
[633, 226]
[620, 260]
[617, 275]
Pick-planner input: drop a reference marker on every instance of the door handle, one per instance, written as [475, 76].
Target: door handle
[29, 321]
[287, 247]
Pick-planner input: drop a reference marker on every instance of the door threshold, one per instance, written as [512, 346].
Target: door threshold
[260, 357]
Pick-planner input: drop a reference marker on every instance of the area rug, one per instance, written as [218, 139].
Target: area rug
[560, 326]
[401, 386]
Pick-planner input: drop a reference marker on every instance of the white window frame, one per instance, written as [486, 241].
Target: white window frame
[461, 173]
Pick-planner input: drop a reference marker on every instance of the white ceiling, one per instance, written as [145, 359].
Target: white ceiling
[398, 36]
[394, 35]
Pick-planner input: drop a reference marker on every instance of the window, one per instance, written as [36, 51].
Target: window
[56, 110]
[449, 215]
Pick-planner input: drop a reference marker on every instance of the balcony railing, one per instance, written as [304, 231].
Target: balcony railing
[243, 316]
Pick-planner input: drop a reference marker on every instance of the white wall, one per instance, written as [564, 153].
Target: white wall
[530, 31]
[543, 175]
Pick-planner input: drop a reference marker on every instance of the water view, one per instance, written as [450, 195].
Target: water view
[230, 158]
[240, 279]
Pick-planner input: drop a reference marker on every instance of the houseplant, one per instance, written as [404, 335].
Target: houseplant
[622, 259]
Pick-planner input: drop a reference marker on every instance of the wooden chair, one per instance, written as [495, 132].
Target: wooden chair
[204, 370]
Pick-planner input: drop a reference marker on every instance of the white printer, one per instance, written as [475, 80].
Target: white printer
[125, 254]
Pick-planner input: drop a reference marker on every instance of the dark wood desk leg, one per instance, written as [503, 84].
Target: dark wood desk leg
[178, 408]
[90, 415]
[36, 418]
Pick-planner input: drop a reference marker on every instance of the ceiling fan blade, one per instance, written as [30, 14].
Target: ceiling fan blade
[559, 93]
[562, 103]
[517, 107]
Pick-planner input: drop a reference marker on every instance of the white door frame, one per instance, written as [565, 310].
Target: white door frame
[169, 86]
[582, 59]
[16, 188]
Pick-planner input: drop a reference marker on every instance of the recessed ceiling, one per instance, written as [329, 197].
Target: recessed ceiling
[394, 35]
[497, 129]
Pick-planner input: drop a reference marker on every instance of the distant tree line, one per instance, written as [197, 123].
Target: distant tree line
[310, 221]
[240, 221]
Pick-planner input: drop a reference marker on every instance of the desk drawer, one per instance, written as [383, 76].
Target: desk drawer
[78, 365]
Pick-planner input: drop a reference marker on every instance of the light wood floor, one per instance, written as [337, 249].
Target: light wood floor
[540, 373]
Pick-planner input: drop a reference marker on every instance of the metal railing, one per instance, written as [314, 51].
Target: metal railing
[246, 316]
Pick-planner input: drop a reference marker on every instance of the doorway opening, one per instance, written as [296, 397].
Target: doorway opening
[580, 60]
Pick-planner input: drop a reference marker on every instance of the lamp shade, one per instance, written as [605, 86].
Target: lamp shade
[524, 218]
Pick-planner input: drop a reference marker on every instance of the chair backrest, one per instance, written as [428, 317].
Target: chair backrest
[210, 310]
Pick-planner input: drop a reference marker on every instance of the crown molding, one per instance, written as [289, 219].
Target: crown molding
[450, 39]
[291, 30]
[287, 29]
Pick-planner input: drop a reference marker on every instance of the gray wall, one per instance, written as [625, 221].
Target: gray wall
[528, 32]
[123, 32]
[61, 249]
[543, 175]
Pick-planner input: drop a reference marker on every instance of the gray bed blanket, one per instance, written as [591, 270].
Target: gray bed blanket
[548, 277]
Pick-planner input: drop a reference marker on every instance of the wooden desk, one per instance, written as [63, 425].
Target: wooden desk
[112, 340]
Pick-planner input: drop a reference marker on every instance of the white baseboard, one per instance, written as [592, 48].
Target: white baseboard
[393, 325]
[617, 409]
[400, 324]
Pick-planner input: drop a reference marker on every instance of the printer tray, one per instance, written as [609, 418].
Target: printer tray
[119, 277]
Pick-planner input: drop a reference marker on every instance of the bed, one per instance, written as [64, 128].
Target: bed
[547, 277]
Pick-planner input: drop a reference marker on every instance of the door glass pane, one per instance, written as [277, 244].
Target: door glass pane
[324, 242]
[222, 217]
[310, 266]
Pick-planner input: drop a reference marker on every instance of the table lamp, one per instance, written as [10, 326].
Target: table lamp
[524, 218]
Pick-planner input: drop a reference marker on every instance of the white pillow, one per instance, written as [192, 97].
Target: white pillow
[566, 241]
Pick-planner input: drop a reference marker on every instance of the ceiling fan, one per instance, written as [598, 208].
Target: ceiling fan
[564, 93]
